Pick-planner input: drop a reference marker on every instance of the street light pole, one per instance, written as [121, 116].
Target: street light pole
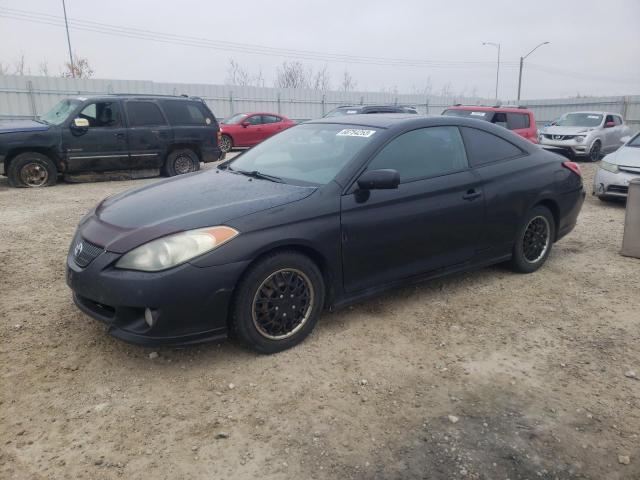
[66, 24]
[498, 68]
[522, 64]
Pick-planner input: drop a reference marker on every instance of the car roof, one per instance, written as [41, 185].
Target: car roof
[378, 120]
[486, 108]
[134, 96]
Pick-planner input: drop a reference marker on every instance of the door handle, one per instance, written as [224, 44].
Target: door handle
[119, 135]
[472, 194]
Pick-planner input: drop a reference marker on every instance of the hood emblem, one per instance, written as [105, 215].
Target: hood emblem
[557, 137]
[78, 249]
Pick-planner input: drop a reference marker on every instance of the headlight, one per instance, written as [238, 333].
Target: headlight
[609, 167]
[172, 250]
[580, 139]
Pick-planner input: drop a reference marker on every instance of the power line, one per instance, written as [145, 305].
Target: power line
[581, 76]
[107, 29]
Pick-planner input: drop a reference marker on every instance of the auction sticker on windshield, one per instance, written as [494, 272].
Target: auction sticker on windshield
[478, 114]
[355, 132]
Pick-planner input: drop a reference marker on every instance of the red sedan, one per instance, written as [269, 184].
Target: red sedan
[249, 129]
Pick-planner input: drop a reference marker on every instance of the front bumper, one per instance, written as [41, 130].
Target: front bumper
[570, 146]
[190, 304]
[609, 184]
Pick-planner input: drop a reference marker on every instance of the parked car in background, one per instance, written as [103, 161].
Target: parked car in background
[367, 109]
[321, 215]
[517, 119]
[618, 169]
[249, 129]
[103, 135]
[585, 134]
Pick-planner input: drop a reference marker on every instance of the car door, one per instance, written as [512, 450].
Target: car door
[100, 146]
[253, 132]
[432, 220]
[149, 134]
[609, 134]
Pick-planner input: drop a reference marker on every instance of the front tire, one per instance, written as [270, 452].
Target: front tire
[181, 161]
[226, 143]
[595, 151]
[534, 240]
[32, 170]
[278, 302]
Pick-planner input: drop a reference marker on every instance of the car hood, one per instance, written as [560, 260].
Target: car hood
[558, 130]
[15, 126]
[625, 156]
[203, 199]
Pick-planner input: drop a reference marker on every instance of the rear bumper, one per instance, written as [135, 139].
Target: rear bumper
[570, 205]
[212, 154]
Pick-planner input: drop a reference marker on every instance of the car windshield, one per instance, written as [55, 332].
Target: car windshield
[234, 119]
[635, 141]
[339, 112]
[480, 115]
[307, 154]
[580, 120]
[60, 112]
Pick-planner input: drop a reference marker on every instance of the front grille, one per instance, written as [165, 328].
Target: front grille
[618, 189]
[558, 137]
[629, 169]
[85, 252]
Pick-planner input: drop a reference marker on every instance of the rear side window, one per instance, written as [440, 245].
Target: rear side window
[144, 114]
[255, 120]
[423, 153]
[186, 113]
[270, 119]
[517, 121]
[484, 147]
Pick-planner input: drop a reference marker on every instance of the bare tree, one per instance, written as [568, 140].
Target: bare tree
[80, 68]
[20, 66]
[43, 68]
[4, 69]
[446, 90]
[347, 83]
[322, 80]
[236, 74]
[292, 75]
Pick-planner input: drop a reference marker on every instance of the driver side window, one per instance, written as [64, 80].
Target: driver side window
[423, 153]
[102, 115]
[255, 120]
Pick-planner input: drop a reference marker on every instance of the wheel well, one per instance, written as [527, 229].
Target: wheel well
[42, 150]
[191, 146]
[309, 252]
[225, 134]
[555, 211]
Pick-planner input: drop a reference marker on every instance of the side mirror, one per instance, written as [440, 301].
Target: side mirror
[81, 123]
[245, 124]
[384, 179]
[609, 124]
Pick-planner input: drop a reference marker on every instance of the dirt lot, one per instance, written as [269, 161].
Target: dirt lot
[488, 375]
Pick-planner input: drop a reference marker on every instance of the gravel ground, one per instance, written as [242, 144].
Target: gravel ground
[487, 375]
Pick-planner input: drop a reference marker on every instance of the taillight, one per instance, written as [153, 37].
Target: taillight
[218, 136]
[574, 167]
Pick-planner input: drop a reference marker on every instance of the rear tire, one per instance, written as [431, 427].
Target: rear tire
[181, 161]
[32, 170]
[279, 284]
[534, 240]
[226, 143]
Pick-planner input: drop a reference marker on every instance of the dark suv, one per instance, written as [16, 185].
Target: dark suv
[361, 109]
[110, 136]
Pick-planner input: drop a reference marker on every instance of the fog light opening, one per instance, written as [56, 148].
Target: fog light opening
[150, 316]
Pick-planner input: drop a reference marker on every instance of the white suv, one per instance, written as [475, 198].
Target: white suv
[585, 134]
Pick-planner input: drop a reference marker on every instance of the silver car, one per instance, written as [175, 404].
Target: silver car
[616, 171]
[585, 134]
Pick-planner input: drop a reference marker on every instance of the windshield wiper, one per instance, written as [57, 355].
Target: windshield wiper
[257, 174]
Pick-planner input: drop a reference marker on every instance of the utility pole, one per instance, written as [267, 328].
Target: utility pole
[66, 24]
[522, 64]
[498, 68]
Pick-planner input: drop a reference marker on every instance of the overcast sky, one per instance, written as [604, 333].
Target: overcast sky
[594, 49]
